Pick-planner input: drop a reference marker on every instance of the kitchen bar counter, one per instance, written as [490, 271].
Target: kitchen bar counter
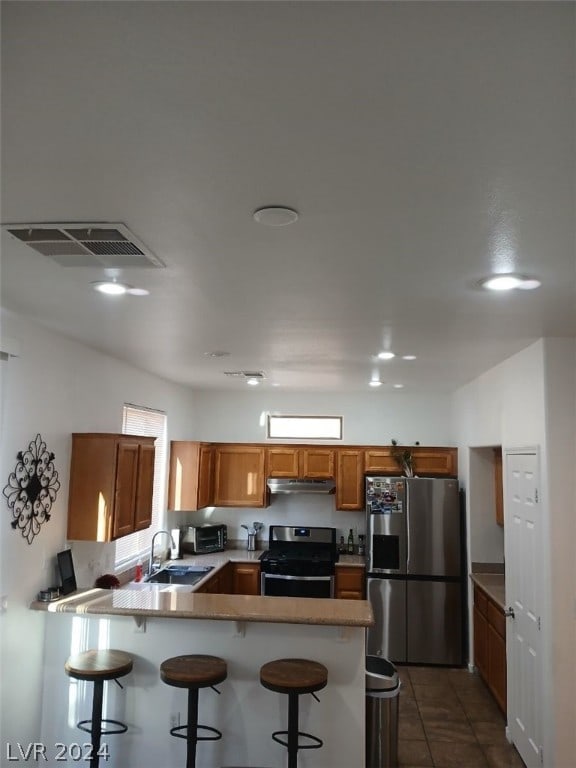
[181, 602]
[246, 631]
[494, 586]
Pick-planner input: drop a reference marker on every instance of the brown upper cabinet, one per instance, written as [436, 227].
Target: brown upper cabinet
[300, 461]
[350, 478]
[111, 484]
[239, 476]
[427, 462]
[190, 482]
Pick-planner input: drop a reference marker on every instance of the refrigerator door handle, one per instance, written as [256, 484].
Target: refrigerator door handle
[407, 513]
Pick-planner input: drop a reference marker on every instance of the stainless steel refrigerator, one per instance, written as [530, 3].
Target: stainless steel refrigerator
[415, 570]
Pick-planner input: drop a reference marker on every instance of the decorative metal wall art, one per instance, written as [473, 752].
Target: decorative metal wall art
[32, 488]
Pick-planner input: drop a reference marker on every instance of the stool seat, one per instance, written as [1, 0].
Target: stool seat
[193, 671]
[98, 666]
[102, 664]
[294, 676]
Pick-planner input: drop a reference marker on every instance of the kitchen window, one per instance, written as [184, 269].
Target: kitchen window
[305, 427]
[138, 420]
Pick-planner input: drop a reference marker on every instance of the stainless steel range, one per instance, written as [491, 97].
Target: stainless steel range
[300, 562]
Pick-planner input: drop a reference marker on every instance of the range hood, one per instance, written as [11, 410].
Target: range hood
[278, 485]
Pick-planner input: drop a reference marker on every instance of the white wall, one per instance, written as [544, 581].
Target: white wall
[55, 387]
[528, 400]
[371, 418]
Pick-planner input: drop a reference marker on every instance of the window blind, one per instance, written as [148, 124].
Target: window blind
[138, 420]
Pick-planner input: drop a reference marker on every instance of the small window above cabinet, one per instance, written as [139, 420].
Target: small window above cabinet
[300, 462]
[191, 478]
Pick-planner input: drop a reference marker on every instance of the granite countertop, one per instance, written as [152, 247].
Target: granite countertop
[493, 584]
[185, 602]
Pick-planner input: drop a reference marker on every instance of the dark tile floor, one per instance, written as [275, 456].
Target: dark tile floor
[448, 719]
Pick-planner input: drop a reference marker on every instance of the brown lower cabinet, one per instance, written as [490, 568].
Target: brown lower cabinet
[234, 579]
[490, 645]
[349, 582]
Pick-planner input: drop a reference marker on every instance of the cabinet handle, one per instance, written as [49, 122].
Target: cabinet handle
[509, 613]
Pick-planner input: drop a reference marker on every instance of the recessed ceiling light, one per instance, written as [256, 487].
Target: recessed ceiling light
[138, 291]
[252, 382]
[508, 282]
[375, 383]
[275, 216]
[110, 287]
[386, 355]
[408, 357]
[398, 386]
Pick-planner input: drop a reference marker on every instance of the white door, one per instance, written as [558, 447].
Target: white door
[523, 537]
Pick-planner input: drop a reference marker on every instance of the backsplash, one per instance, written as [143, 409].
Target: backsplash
[302, 509]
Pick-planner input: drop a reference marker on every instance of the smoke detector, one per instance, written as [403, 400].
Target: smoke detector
[103, 244]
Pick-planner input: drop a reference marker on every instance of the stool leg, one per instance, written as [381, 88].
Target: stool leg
[96, 722]
[292, 730]
[192, 730]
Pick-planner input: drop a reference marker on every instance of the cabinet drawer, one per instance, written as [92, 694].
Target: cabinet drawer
[480, 601]
[497, 619]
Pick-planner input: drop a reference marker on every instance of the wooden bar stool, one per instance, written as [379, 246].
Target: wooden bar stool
[97, 666]
[294, 677]
[194, 672]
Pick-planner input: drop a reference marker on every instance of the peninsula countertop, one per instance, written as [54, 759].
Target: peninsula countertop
[186, 602]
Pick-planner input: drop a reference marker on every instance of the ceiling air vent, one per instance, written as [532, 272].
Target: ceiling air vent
[245, 374]
[107, 245]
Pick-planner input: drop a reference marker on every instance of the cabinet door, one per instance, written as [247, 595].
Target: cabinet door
[434, 462]
[481, 643]
[317, 463]
[144, 488]
[239, 479]
[349, 479]
[125, 494]
[92, 484]
[380, 461]
[246, 579]
[497, 666]
[349, 582]
[206, 476]
[283, 461]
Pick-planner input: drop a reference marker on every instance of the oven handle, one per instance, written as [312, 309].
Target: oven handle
[296, 578]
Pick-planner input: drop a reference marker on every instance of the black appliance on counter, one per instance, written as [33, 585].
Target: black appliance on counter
[300, 562]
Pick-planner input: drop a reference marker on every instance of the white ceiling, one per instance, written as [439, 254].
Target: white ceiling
[425, 146]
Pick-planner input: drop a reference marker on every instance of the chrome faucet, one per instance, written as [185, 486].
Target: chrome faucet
[173, 543]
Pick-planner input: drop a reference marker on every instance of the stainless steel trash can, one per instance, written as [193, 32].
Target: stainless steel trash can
[382, 690]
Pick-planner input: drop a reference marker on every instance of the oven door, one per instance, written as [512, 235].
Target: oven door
[279, 585]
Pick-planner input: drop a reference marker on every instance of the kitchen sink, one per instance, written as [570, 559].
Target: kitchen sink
[179, 574]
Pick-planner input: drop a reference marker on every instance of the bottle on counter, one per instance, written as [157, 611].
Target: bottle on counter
[351, 542]
[341, 546]
[361, 545]
[138, 574]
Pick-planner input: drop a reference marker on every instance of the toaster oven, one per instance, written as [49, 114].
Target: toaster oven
[202, 539]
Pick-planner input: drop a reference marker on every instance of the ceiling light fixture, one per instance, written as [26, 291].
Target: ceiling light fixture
[252, 382]
[386, 355]
[509, 282]
[275, 216]
[408, 357]
[114, 288]
[110, 287]
[398, 386]
[375, 383]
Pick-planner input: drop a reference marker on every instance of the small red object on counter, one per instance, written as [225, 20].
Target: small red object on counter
[138, 574]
